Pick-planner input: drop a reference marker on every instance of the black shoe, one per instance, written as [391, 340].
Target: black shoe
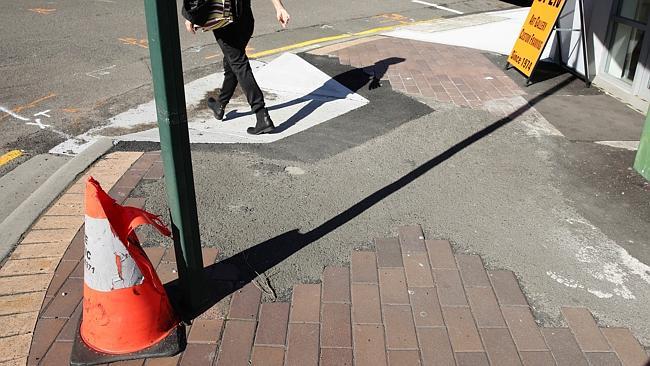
[218, 108]
[264, 123]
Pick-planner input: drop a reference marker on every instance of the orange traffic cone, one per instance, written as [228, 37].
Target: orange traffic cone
[125, 306]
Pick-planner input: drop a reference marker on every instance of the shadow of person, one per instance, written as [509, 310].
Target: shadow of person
[353, 80]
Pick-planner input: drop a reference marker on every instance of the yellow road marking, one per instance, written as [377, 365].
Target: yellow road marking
[326, 39]
[377, 30]
[11, 155]
[30, 105]
[299, 45]
[291, 47]
[42, 11]
[71, 110]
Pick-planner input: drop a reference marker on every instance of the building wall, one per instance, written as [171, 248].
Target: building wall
[597, 15]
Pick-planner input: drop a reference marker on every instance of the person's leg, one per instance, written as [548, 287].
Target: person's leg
[233, 42]
[229, 83]
[233, 45]
[228, 87]
[218, 105]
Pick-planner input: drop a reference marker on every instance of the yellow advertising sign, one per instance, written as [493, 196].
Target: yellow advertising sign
[534, 34]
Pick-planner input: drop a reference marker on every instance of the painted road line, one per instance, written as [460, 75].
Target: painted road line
[11, 155]
[292, 46]
[37, 121]
[437, 6]
[325, 39]
[368, 32]
[322, 40]
[13, 114]
[299, 45]
[22, 107]
[378, 30]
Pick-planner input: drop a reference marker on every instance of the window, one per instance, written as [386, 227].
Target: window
[628, 32]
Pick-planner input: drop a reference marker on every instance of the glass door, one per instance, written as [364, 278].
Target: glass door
[642, 86]
[627, 59]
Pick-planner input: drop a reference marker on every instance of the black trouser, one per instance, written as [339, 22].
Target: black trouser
[233, 40]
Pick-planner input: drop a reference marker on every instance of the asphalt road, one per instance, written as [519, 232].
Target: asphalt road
[78, 63]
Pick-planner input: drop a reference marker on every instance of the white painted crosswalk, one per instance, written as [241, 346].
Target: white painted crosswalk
[303, 97]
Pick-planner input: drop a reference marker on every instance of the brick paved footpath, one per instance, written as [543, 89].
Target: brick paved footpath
[456, 75]
[410, 302]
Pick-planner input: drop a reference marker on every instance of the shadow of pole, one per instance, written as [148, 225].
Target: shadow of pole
[229, 275]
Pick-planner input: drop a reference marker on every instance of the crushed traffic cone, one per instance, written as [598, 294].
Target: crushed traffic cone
[126, 311]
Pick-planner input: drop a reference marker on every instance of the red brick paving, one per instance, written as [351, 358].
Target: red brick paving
[625, 345]
[585, 330]
[305, 307]
[272, 326]
[450, 74]
[392, 286]
[268, 356]
[523, 328]
[564, 347]
[335, 328]
[369, 345]
[366, 308]
[336, 284]
[364, 267]
[413, 302]
[302, 344]
[426, 307]
[347, 322]
[205, 331]
[435, 347]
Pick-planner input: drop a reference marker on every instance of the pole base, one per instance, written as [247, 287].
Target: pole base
[172, 345]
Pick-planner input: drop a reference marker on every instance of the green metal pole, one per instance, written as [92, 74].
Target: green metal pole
[642, 162]
[169, 92]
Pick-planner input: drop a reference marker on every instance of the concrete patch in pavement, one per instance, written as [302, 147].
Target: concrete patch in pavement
[580, 113]
[627, 145]
[592, 118]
